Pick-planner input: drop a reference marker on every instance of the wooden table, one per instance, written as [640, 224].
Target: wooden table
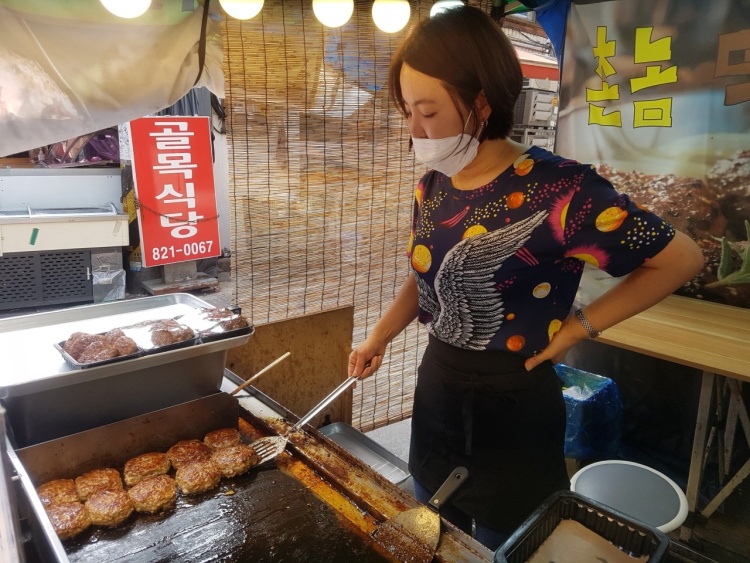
[715, 339]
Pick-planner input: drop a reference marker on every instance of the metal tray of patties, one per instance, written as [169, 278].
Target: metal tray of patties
[32, 364]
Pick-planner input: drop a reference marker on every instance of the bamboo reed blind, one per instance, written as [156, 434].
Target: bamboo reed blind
[321, 181]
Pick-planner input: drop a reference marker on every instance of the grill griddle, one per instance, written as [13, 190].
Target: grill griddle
[315, 503]
[261, 516]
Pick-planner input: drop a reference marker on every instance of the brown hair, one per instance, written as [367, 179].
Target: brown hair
[465, 49]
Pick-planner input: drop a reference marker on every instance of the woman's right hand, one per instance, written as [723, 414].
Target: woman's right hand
[366, 358]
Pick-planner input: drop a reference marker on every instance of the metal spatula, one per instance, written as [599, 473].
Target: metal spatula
[413, 535]
[268, 448]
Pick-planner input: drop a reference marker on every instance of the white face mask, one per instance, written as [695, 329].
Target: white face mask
[449, 155]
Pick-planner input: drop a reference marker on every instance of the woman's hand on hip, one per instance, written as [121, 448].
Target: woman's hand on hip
[571, 333]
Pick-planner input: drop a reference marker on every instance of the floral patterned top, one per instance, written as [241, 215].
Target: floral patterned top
[498, 267]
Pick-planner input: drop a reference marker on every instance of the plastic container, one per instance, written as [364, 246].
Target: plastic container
[210, 329]
[174, 346]
[142, 334]
[77, 365]
[221, 335]
[633, 538]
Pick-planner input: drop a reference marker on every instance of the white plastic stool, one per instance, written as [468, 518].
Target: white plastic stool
[635, 490]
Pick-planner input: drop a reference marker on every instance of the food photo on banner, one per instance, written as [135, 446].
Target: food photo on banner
[657, 97]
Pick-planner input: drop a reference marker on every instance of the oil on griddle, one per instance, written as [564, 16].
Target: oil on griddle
[262, 516]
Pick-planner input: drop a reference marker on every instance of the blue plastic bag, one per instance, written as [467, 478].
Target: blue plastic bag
[594, 414]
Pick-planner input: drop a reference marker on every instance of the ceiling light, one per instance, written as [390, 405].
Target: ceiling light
[242, 9]
[127, 8]
[442, 5]
[391, 15]
[333, 13]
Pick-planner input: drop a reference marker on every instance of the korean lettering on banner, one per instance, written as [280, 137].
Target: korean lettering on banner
[174, 184]
[733, 59]
[655, 112]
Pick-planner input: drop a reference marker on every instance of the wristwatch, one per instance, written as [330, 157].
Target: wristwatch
[587, 326]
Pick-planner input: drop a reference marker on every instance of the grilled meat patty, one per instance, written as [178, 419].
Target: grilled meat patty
[154, 494]
[109, 508]
[198, 477]
[235, 460]
[68, 519]
[87, 348]
[58, 491]
[187, 451]
[145, 465]
[124, 345]
[169, 331]
[97, 480]
[97, 351]
[78, 341]
[222, 438]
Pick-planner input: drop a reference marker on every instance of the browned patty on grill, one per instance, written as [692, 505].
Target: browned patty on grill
[187, 451]
[68, 519]
[235, 460]
[222, 438]
[198, 477]
[154, 494]
[97, 480]
[144, 466]
[57, 491]
[109, 508]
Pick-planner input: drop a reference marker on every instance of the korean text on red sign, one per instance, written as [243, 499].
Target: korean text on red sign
[174, 184]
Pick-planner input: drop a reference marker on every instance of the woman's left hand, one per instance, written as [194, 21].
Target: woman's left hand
[571, 333]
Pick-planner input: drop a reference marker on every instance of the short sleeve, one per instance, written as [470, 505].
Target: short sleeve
[608, 230]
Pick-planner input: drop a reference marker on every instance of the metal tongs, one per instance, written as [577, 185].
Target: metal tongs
[268, 448]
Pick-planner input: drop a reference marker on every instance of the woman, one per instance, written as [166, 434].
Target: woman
[500, 235]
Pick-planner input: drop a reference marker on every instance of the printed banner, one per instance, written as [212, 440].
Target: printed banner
[174, 187]
[659, 101]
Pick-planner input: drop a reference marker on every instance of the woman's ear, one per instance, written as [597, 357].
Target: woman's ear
[482, 106]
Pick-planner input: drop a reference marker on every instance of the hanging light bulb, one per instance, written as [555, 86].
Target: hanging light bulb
[127, 8]
[391, 15]
[242, 9]
[442, 5]
[333, 13]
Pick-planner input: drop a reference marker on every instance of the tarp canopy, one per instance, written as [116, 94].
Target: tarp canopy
[71, 68]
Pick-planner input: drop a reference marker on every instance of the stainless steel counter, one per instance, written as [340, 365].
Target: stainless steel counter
[46, 398]
[31, 363]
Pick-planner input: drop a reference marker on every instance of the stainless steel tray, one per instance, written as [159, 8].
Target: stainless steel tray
[373, 454]
[32, 364]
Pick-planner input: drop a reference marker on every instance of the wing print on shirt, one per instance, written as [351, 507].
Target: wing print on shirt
[465, 305]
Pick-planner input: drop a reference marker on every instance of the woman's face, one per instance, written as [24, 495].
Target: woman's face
[430, 111]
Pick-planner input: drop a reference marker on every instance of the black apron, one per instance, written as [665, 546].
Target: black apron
[483, 410]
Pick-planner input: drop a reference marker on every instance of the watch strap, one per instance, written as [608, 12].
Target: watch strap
[587, 326]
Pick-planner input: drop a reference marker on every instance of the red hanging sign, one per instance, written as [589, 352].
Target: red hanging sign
[174, 184]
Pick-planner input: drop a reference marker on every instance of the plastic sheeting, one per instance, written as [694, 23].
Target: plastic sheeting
[71, 68]
[109, 275]
[593, 408]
